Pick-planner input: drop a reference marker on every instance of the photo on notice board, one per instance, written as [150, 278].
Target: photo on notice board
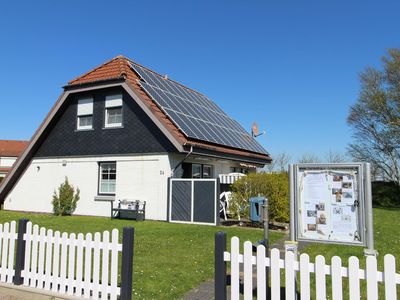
[311, 227]
[347, 195]
[346, 185]
[321, 219]
[311, 213]
[337, 177]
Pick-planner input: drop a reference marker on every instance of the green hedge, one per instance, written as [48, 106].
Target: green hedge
[385, 194]
[274, 186]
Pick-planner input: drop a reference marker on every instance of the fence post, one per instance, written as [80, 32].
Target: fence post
[220, 266]
[127, 263]
[20, 256]
[217, 204]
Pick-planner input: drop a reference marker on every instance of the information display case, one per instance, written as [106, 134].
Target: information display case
[330, 203]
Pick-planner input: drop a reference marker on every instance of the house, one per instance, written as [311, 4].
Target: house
[120, 131]
[9, 152]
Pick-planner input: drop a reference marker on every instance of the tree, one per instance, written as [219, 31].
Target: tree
[335, 157]
[64, 203]
[308, 158]
[375, 118]
[279, 163]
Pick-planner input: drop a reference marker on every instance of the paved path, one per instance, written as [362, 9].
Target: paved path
[9, 292]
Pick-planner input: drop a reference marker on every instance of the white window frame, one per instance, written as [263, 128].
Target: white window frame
[113, 102]
[108, 192]
[84, 110]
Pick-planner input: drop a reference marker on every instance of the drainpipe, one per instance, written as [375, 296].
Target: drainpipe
[181, 162]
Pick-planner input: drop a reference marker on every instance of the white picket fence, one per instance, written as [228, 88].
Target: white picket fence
[371, 275]
[64, 263]
[8, 237]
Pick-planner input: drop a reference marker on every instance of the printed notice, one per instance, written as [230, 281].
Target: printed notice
[327, 206]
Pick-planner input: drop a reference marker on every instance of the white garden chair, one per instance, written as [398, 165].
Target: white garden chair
[224, 199]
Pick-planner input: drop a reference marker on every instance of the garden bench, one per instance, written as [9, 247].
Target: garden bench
[129, 209]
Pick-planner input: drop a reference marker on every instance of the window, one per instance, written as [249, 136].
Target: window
[108, 175]
[207, 171]
[239, 170]
[113, 113]
[85, 114]
[197, 171]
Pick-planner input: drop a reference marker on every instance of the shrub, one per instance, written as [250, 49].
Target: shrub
[385, 194]
[274, 186]
[64, 203]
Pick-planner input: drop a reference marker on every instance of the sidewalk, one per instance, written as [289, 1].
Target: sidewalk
[12, 292]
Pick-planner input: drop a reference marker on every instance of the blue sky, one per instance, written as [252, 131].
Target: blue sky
[291, 66]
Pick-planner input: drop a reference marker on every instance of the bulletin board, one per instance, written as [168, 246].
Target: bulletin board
[329, 203]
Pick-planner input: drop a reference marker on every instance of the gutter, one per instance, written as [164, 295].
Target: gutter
[181, 162]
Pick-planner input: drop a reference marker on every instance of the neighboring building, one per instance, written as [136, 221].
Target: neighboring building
[120, 131]
[9, 152]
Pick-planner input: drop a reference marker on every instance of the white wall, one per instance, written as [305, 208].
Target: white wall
[138, 177]
[7, 161]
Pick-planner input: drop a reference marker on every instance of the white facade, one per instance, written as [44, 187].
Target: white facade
[6, 162]
[140, 177]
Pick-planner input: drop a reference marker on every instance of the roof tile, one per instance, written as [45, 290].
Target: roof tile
[12, 148]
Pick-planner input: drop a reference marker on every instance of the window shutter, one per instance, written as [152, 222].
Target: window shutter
[85, 107]
[113, 101]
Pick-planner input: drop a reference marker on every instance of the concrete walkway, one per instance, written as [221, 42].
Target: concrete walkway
[12, 292]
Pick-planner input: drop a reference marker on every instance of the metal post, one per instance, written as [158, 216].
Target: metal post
[292, 188]
[127, 263]
[217, 204]
[220, 266]
[266, 241]
[168, 197]
[20, 257]
[369, 212]
[292, 192]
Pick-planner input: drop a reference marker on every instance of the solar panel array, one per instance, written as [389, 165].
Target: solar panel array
[194, 114]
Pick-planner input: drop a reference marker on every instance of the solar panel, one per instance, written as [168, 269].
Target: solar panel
[194, 114]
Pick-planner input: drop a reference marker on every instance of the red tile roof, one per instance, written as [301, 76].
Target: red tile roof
[120, 68]
[12, 148]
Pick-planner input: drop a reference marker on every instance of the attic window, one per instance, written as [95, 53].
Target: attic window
[113, 111]
[85, 114]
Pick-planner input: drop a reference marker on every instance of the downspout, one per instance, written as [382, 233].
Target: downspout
[181, 162]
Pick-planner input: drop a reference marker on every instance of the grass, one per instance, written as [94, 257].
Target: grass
[386, 236]
[170, 259]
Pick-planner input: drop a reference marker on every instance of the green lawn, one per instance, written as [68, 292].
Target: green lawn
[170, 259]
[387, 241]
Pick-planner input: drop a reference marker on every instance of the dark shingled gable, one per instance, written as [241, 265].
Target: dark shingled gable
[138, 135]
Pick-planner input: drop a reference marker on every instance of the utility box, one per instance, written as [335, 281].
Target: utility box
[256, 204]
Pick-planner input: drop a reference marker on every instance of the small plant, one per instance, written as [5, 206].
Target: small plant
[64, 202]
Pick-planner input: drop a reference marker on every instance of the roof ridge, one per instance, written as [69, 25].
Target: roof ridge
[150, 70]
[118, 57]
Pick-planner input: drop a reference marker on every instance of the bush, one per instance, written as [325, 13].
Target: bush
[64, 203]
[274, 186]
[385, 194]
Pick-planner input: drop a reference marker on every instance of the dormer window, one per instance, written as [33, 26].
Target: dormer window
[113, 112]
[85, 114]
